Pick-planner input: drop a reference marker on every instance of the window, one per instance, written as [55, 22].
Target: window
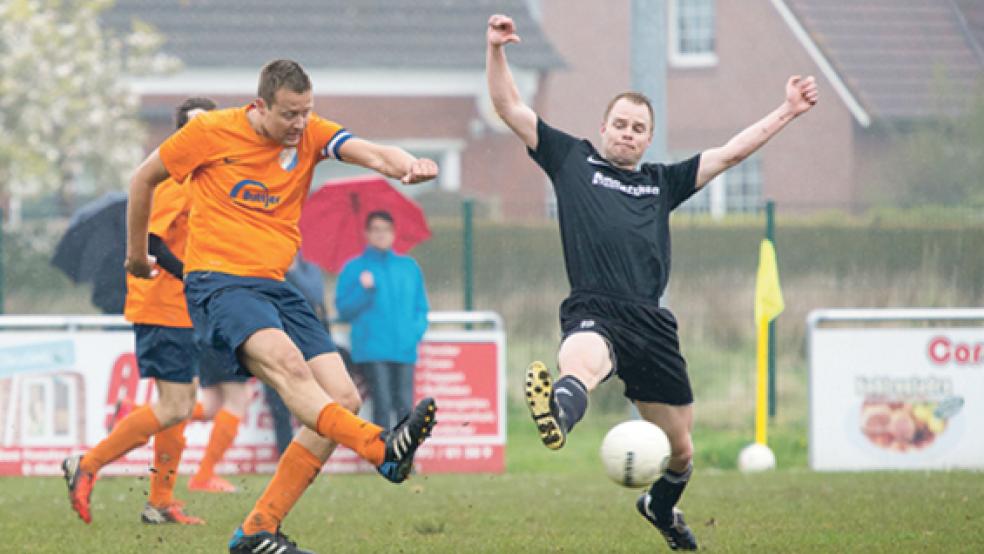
[738, 190]
[699, 203]
[692, 33]
[550, 201]
[743, 189]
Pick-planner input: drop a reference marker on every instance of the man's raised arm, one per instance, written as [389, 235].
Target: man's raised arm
[801, 95]
[502, 87]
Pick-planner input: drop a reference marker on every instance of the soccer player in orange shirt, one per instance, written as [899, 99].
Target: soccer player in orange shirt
[250, 171]
[166, 352]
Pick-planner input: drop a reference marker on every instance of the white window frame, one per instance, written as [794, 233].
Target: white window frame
[550, 208]
[755, 160]
[719, 202]
[684, 59]
[449, 159]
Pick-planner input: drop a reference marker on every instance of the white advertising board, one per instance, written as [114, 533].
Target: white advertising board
[894, 396]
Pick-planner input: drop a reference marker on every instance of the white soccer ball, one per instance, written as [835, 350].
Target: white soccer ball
[756, 457]
[635, 453]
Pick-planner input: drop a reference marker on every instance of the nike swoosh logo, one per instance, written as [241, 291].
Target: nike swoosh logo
[595, 161]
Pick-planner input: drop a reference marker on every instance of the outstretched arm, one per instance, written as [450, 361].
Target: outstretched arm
[801, 95]
[502, 87]
[389, 160]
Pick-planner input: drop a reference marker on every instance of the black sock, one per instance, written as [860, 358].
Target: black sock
[666, 492]
[571, 396]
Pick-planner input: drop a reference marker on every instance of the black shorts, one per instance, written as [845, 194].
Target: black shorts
[644, 342]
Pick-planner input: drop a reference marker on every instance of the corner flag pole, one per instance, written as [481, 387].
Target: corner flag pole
[762, 384]
[770, 233]
[768, 305]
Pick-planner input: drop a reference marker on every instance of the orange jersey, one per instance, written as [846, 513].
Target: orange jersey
[161, 300]
[247, 191]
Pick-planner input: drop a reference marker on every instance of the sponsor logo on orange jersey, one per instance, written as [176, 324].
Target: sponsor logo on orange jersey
[253, 195]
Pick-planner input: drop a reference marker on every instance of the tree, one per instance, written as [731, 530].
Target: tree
[67, 116]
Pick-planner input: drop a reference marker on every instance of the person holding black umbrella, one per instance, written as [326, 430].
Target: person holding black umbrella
[166, 351]
[91, 249]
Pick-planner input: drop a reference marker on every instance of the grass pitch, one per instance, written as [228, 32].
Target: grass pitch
[546, 502]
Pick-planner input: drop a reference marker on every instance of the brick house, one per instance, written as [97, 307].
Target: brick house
[879, 63]
[404, 73]
[412, 74]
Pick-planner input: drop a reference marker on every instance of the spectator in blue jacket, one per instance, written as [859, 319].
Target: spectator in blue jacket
[382, 295]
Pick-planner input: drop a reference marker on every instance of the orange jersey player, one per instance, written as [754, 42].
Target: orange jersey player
[250, 170]
[166, 351]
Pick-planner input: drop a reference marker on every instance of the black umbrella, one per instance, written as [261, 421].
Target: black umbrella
[92, 250]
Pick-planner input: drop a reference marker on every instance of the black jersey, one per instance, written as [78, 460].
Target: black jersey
[614, 223]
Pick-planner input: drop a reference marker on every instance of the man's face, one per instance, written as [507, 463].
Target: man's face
[284, 120]
[626, 133]
[380, 234]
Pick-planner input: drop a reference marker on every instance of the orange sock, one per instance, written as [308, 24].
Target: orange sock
[132, 431]
[225, 426]
[168, 446]
[198, 414]
[297, 469]
[342, 426]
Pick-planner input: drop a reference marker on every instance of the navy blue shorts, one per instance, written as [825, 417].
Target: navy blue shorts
[219, 366]
[227, 309]
[166, 353]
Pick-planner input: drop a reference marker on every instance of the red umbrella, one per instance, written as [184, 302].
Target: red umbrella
[334, 219]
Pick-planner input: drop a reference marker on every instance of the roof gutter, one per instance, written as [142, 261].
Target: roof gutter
[852, 103]
[335, 82]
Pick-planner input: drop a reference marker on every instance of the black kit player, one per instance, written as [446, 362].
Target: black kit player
[614, 226]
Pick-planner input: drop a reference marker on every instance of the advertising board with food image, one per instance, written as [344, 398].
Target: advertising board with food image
[896, 398]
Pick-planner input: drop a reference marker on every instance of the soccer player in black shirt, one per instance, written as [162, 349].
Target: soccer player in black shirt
[614, 226]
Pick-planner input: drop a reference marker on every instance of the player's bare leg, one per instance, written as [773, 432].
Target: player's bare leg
[584, 361]
[174, 405]
[225, 404]
[322, 381]
[298, 466]
[658, 505]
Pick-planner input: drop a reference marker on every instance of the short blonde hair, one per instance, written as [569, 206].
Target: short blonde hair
[635, 98]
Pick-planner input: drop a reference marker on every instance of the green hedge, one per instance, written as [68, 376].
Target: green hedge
[526, 260]
[529, 258]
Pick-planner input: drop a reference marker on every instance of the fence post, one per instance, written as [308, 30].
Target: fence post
[467, 207]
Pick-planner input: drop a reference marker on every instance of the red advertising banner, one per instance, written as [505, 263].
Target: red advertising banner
[59, 389]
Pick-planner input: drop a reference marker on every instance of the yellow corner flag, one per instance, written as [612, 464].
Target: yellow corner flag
[768, 295]
[768, 305]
